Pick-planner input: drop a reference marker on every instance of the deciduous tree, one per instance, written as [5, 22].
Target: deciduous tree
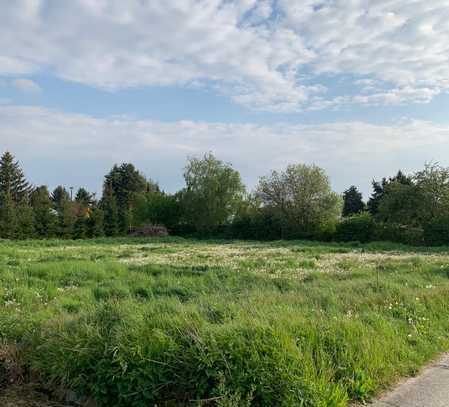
[212, 194]
[301, 197]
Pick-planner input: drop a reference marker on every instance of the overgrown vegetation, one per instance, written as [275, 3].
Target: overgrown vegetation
[137, 322]
[297, 203]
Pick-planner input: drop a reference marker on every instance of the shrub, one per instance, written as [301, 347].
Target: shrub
[257, 225]
[399, 233]
[149, 230]
[436, 233]
[358, 227]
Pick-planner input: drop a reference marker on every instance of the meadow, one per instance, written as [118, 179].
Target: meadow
[173, 322]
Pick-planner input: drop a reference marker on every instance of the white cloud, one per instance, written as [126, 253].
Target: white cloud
[257, 52]
[26, 85]
[64, 148]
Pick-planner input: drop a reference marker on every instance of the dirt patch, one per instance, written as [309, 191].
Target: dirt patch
[25, 396]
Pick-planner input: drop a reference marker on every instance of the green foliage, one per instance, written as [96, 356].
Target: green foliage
[66, 220]
[84, 198]
[400, 204]
[352, 202]
[157, 208]
[359, 227]
[8, 217]
[379, 190]
[45, 217]
[433, 186]
[80, 226]
[25, 221]
[12, 179]
[95, 223]
[212, 194]
[59, 197]
[110, 210]
[301, 198]
[125, 220]
[394, 232]
[436, 232]
[126, 183]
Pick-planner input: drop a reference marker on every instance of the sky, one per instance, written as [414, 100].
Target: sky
[357, 87]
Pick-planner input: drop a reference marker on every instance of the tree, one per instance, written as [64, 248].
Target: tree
[301, 198]
[25, 221]
[213, 191]
[400, 204]
[157, 208]
[80, 226]
[379, 190]
[352, 201]
[8, 217]
[126, 183]
[59, 197]
[45, 217]
[125, 220]
[66, 220]
[416, 200]
[12, 179]
[432, 184]
[95, 223]
[84, 197]
[109, 207]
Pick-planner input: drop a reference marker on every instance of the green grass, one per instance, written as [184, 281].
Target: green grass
[138, 322]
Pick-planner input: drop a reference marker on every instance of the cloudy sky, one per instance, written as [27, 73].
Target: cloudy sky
[358, 87]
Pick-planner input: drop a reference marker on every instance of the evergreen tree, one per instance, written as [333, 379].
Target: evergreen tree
[26, 221]
[95, 223]
[352, 201]
[126, 182]
[66, 220]
[80, 226]
[109, 207]
[59, 197]
[124, 220]
[12, 179]
[379, 190]
[84, 197]
[8, 217]
[45, 217]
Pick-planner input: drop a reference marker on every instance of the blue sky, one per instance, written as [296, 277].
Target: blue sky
[357, 87]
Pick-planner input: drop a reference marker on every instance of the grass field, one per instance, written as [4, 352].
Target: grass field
[135, 322]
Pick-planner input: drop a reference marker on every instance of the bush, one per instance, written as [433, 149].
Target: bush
[436, 233]
[149, 230]
[393, 232]
[257, 225]
[358, 227]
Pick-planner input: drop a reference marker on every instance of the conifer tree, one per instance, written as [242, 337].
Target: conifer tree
[80, 226]
[26, 221]
[109, 207]
[124, 220]
[95, 223]
[59, 197]
[380, 189]
[45, 217]
[8, 217]
[66, 220]
[12, 179]
[352, 201]
[84, 197]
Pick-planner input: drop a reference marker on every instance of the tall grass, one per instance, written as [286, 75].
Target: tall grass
[162, 322]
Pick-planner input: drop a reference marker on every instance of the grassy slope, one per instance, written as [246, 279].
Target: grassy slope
[173, 321]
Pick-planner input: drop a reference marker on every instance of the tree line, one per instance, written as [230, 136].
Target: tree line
[297, 202]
